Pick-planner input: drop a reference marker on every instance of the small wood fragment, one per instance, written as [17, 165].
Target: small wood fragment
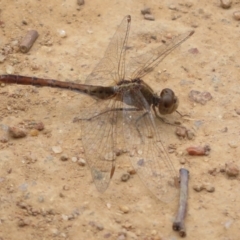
[179, 222]
[28, 41]
[199, 150]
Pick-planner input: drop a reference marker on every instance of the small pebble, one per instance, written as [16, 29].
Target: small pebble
[193, 50]
[55, 231]
[30, 159]
[62, 33]
[24, 22]
[132, 171]
[107, 235]
[81, 162]
[36, 125]
[119, 152]
[23, 222]
[173, 7]
[222, 169]
[61, 195]
[146, 10]
[225, 3]
[34, 132]
[228, 224]
[236, 15]
[231, 169]
[154, 232]
[121, 237]
[213, 171]
[190, 134]
[182, 160]
[125, 177]
[74, 159]
[4, 138]
[181, 132]
[22, 205]
[124, 209]
[99, 226]
[71, 217]
[9, 69]
[65, 188]
[149, 17]
[40, 199]
[57, 149]
[80, 2]
[233, 144]
[169, 36]
[64, 157]
[199, 97]
[64, 217]
[2, 58]
[17, 132]
[198, 188]
[237, 111]
[210, 188]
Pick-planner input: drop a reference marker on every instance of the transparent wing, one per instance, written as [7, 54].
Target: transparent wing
[141, 65]
[99, 131]
[111, 68]
[147, 153]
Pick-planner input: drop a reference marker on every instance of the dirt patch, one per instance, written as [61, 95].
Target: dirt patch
[45, 192]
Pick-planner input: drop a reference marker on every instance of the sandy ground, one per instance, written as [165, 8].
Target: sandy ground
[44, 197]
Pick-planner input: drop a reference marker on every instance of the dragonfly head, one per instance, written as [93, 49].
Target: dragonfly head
[168, 102]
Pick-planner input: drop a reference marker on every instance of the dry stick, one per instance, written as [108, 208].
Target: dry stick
[178, 224]
[28, 41]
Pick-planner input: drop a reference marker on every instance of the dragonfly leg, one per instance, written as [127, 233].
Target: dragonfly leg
[76, 119]
[163, 119]
[182, 115]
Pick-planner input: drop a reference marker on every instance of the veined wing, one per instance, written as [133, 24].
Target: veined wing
[100, 126]
[148, 155]
[141, 65]
[112, 66]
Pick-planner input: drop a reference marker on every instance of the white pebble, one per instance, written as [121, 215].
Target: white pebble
[57, 149]
[124, 209]
[81, 162]
[64, 217]
[149, 17]
[74, 159]
[233, 144]
[10, 69]
[228, 224]
[62, 33]
[236, 15]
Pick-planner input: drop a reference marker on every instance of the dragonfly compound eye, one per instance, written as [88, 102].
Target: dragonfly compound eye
[168, 103]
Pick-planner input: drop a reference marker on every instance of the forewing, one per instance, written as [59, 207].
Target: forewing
[111, 67]
[147, 152]
[141, 65]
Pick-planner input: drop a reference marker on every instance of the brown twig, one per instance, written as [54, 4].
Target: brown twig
[28, 41]
[178, 224]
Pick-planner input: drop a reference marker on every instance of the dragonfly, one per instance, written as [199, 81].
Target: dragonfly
[124, 113]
